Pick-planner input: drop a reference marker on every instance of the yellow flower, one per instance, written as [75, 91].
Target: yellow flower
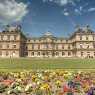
[45, 86]
[58, 82]
[18, 80]
[33, 77]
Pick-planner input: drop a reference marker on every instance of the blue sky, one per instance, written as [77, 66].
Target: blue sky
[57, 16]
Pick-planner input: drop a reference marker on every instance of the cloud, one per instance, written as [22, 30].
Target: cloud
[62, 2]
[78, 11]
[66, 13]
[91, 9]
[12, 11]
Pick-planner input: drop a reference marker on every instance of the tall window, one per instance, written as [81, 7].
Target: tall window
[14, 37]
[8, 37]
[57, 53]
[7, 53]
[62, 46]
[81, 46]
[81, 53]
[14, 46]
[93, 45]
[69, 47]
[7, 45]
[87, 46]
[14, 52]
[80, 37]
[38, 46]
[56, 46]
[69, 53]
[93, 37]
[43, 53]
[0, 46]
[32, 46]
[38, 54]
[2, 36]
[87, 38]
[0, 53]
[46, 46]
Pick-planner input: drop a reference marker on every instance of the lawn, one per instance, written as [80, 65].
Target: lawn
[34, 63]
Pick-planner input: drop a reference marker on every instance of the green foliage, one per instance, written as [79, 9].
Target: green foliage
[2, 88]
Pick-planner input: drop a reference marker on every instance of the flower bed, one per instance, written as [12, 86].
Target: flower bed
[58, 82]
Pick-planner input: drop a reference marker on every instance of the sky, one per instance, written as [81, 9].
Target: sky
[60, 17]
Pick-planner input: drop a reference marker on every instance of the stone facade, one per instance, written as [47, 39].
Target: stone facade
[81, 44]
[12, 42]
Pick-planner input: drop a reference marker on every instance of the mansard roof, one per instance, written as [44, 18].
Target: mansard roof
[13, 30]
[84, 30]
[17, 30]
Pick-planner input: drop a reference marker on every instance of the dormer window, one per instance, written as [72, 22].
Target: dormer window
[28, 40]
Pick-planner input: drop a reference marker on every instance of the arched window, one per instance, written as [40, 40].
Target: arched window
[63, 53]
[7, 53]
[57, 53]
[69, 53]
[32, 54]
[81, 53]
[38, 53]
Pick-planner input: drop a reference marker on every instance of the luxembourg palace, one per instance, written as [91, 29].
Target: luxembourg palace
[13, 43]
